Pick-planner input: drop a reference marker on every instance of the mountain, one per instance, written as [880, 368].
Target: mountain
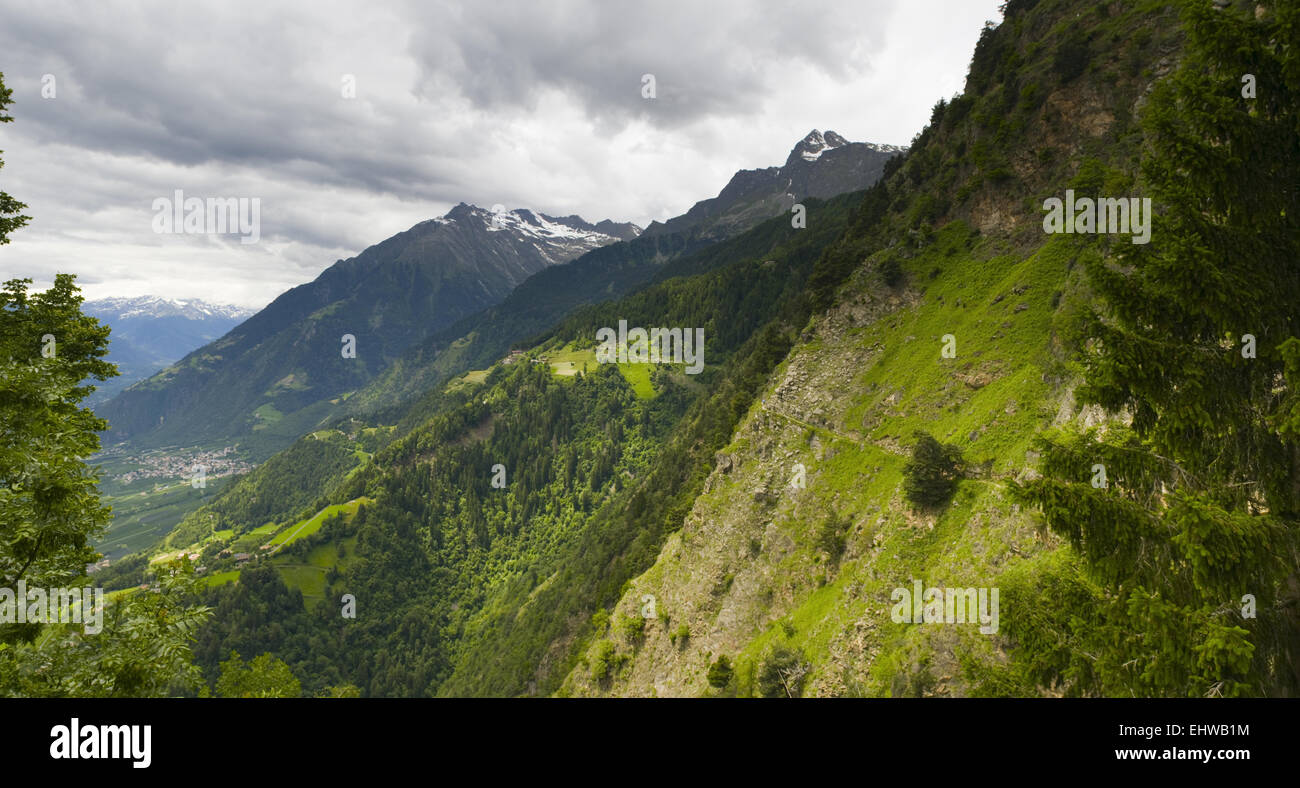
[150, 332]
[409, 387]
[820, 165]
[274, 376]
[746, 531]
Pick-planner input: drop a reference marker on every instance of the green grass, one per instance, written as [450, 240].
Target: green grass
[990, 400]
[143, 518]
[570, 361]
[221, 578]
[309, 577]
[266, 416]
[326, 555]
[310, 580]
[993, 389]
[468, 380]
[308, 527]
[567, 361]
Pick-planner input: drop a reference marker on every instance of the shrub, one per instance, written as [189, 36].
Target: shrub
[892, 272]
[599, 621]
[931, 475]
[958, 110]
[783, 673]
[1071, 58]
[600, 661]
[720, 672]
[1031, 97]
[633, 629]
[832, 536]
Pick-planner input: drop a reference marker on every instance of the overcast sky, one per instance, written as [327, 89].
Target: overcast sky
[532, 104]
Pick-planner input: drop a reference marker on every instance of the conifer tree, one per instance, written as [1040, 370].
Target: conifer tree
[1193, 350]
[930, 476]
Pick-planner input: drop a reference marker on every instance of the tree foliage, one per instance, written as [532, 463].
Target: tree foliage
[1202, 494]
[49, 505]
[263, 677]
[782, 673]
[143, 650]
[931, 474]
[50, 508]
[11, 217]
[720, 672]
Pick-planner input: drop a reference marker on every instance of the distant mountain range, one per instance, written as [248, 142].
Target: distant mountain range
[150, 332]
[474, 280]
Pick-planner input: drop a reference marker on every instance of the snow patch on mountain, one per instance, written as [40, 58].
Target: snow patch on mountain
[157, 306]
[815, 144]
[531, 224]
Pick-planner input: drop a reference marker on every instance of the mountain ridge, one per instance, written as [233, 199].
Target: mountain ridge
[768, 191]
[159, 306]
[286, 359]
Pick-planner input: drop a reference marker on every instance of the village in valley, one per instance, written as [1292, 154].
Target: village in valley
[168, 465]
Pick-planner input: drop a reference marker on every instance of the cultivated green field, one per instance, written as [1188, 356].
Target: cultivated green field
[468, 380]
[143, 517]
[567, 361]
[221, 578]
[307, 576]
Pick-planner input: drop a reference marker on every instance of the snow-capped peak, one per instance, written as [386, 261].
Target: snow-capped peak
[815, 144]
[886, 148]
[811, 147]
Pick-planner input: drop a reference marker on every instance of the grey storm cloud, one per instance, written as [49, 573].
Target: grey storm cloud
[707, 58]
[157, 85]
[527, 104]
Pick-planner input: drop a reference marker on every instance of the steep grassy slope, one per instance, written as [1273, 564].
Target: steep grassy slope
[766, 572]
[750, 569]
